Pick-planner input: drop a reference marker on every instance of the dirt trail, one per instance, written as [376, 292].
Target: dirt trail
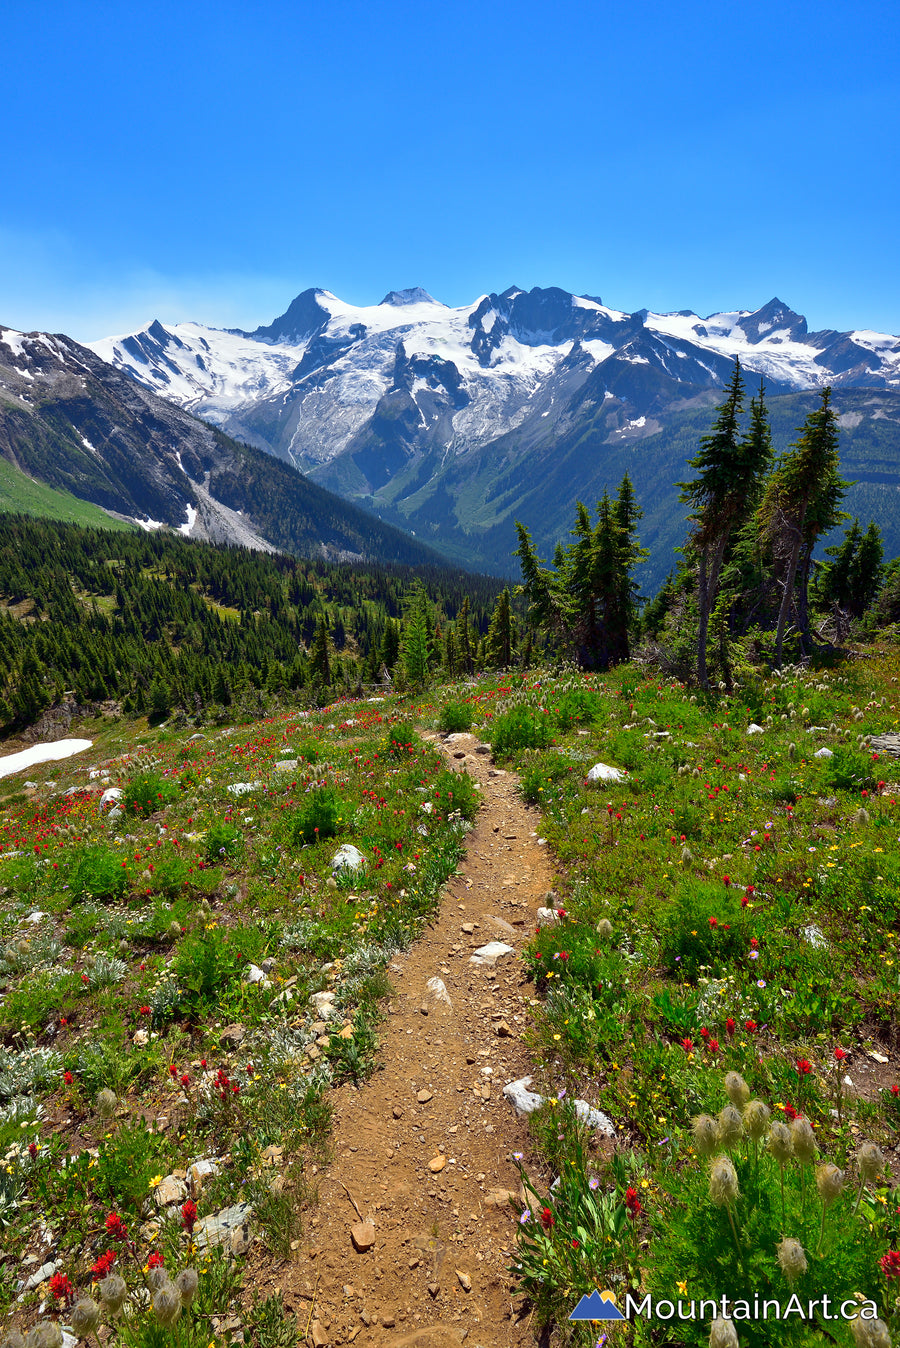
[435, 1276]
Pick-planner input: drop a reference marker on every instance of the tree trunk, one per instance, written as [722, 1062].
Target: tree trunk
[707, 584]
[787, 597]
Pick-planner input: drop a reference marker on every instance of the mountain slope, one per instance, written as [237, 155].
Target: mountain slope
[74, 422]
[454, 422]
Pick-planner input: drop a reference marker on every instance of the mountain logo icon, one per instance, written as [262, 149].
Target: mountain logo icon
[597, 1306]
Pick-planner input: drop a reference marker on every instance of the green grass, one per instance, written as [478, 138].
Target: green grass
[21, 495]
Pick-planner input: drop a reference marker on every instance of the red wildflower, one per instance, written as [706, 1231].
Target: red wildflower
[750, 1026]
[713, 921]
[713, 1045]
[791, 1112]
[839, 1055]
[144, 1010]
[185, 1079]
[726, 880]
[173, 1070]
[203, 1063]
[687, 1044]
[32, 1150]
[705, 1032]
[575, 1244]
[103, 1265]
[547, 1219]
[632, 1202]
[729, 1026]
[890, 1264]
[803, 1067]
[68, 1078]
[116, 1227]
[155, 1261]
[188, 1215]
[61, 1289]
[895, 1090]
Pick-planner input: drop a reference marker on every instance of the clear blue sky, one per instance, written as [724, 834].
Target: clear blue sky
[211, 160]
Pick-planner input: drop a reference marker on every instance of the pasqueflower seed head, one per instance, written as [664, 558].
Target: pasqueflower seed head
[604, 928]
[157, 1277]
[737, 1089]
[12, 1339]
[113, 1290]
[186, 1285]
[722, 1334]
[105, 1103]
[723, 1181]
[869, 1162]
[84, 1317]
[829, 1182]
[804, 1140]
[779, 1142]
[47, 1334]
[756, 1119]
[791, 1258]
[167, 1304]
[731, 1128]
[870, 1333]
[705, 1132]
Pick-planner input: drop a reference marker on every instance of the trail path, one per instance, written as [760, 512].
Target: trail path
[424, 1148]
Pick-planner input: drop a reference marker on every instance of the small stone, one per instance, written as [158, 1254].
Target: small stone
[198, 1172]
[423, 1009]
[502, 1030]
[397, 1112]
[363, 1236]
[169, 1190]
[318, 1336]
[346, 1032]
[433, 1289]
[424, 1095]
[232, 1036]
[240, 1239]
[499, 1198]
[468, 928]
[415, 1262]
[349, 1290]
[141, 1038]
[437, 1164]
[388, 1321]
[272, 1155]
[465, 1281]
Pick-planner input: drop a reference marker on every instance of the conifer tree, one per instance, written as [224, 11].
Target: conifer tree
[416, 640]
[320, 670]
[499, 640]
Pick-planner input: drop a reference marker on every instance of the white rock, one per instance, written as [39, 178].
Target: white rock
[347, 857]
[35, 917]
[547, 917]
[243, 788]
[823, 753]
[594, 1118]
[438, 990]
[141, 1038]
[426, 807]
[116, 812]
[254, 974]
[754, 729]
[522, 1099]
[110, 795]
[490, 953]
[602, 772]
[324, 1004]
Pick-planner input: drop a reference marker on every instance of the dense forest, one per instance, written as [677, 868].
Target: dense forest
[156, 622]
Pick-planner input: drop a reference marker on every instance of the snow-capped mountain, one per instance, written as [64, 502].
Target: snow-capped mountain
[309, 385]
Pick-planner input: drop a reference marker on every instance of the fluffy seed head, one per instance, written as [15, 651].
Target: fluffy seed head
[604, 928]
[167, 1305]
[829, 1182]
[792, 1258]
[705, 1131]
[779, 1143]
[723, 1181]
[804, 1140]
[45, 1335]
[113, 1290]
[737, 1089]
[869, 1162]
[870, 1333]
[186, 1285]
[12, 1339]
[157, 1278]
[731, 1128]
[84, 1317]
[756, 1119]
[722, 1334]
[105, 1103]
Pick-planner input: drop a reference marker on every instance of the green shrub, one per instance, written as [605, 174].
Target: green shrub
[97, 872]
[455, 718]
[171, 874]
[223, 842]
[455, 791]
[579, 706]
[541, 772]
[322, 816]
[705, 929]
[401, 739]
[128, 1159]
[849, 770]
[520, 728]
[786, 789]
[148, 792]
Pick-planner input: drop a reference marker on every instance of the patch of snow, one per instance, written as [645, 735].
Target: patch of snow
[149, 525]
[42, 753]
[191, 521]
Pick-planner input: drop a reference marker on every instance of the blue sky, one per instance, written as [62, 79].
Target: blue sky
[211, 160]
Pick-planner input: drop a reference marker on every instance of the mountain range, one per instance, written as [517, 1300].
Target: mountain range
[453, 422]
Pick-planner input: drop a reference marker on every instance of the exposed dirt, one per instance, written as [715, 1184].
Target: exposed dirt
[424, 1148]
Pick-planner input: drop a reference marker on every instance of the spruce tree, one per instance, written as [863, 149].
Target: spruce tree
[499, 641]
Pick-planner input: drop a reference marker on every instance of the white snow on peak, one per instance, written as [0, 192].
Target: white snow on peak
[14, 340]
[149, 525]
[189, 524]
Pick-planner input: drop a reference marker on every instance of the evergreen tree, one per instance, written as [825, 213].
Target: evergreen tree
[499, 640]
[801, 501]
[415, 647]
[320, 671]
[730, 470]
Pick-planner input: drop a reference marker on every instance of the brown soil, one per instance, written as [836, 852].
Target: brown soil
[436, 1275]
